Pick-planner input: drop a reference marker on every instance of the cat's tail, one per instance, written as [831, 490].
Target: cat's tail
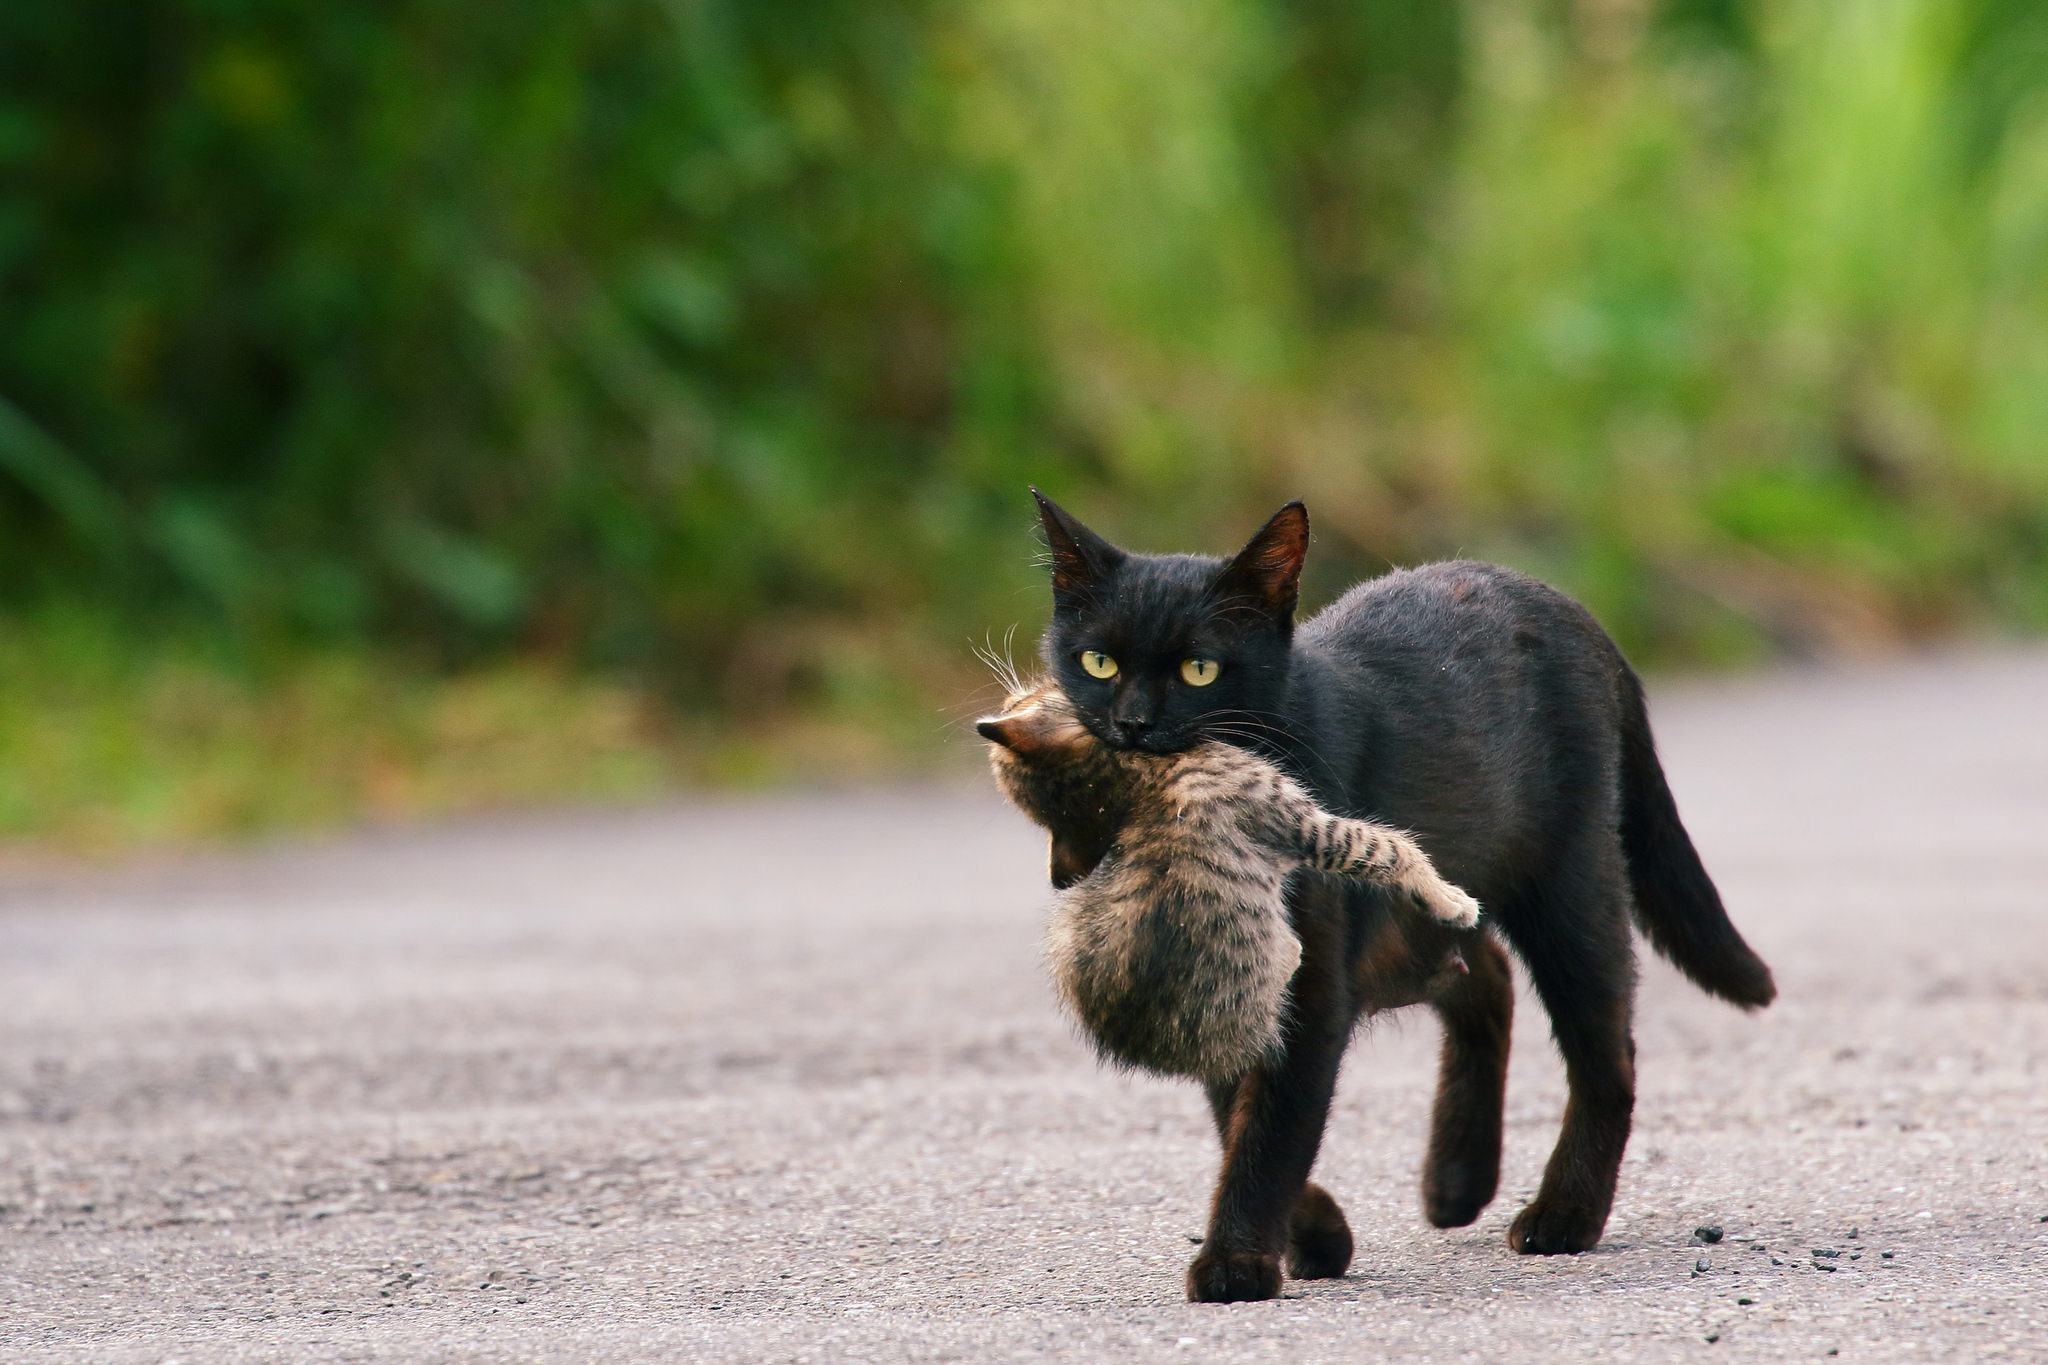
[1677, 906]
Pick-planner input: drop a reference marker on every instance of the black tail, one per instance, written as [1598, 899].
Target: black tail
[1676, 903]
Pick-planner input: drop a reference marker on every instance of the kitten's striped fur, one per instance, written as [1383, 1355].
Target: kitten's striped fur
[1170, 941]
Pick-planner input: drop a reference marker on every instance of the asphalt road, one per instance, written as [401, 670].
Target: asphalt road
[782, 1080]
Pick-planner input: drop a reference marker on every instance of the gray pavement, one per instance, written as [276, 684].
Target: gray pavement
[781, 1079]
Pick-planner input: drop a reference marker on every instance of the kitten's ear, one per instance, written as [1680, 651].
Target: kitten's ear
[1026, 734]
[1265, 577]
[1009, 731]
[1080, 558]
[1070, 861]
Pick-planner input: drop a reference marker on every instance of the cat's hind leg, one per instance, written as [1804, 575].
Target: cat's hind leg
[1462, 1171]
[1572, 932]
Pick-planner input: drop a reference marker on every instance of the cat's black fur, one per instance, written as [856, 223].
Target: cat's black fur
[1490, 715]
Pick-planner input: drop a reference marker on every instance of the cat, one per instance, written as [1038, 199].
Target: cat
[1174, 952]
[1491, 716]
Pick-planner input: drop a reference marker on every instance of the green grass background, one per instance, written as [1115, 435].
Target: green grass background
[421, 407]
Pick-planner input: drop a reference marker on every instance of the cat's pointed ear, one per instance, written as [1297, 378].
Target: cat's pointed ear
[1265, 577]
[1080, 558]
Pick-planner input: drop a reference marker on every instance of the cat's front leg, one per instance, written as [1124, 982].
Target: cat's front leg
[1274, 1124]
[1271, 1122]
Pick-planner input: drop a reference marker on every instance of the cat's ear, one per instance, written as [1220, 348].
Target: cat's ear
[1265, 577]
[1080, 558]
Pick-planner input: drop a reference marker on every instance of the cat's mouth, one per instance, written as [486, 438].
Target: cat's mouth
[1146, 740]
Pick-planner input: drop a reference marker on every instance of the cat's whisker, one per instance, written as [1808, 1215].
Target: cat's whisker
[1000, 660]
[960, 716]
[1010, 656]
[1253, 728]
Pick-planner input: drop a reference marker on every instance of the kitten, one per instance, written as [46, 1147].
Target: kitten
[1489, 714]
[1175, 952]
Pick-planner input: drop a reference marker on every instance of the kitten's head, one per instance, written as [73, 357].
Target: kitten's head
[1035, 727]
[1158, 652]
[1056, 772]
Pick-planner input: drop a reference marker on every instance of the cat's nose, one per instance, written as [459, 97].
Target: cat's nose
[990, 730]
[1130, 729]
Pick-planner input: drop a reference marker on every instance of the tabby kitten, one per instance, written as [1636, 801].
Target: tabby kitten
[1489, 715]
[1175, 951]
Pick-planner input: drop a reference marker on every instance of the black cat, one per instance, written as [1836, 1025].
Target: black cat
[1490, 715]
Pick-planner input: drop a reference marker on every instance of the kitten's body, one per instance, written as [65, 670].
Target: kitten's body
[1175, 951]
[1490, 715]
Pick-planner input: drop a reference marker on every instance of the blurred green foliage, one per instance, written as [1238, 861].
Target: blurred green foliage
[104, 748]
[709, 345]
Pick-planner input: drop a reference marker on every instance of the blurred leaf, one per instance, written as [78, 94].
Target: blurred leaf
[685, 296]
[477, 584]
[56, 476]
[200, 542]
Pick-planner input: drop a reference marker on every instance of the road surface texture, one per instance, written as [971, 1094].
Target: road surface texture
[781, 1079]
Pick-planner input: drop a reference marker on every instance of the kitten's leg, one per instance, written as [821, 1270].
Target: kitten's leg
[1362, 848]
[1572, 932]
[1272, 1124]
[1462, 1171]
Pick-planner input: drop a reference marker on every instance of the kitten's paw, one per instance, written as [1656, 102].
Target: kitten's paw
[1555, 1228]
[1233, 1277]
[1451, 905]
[1318, 1238]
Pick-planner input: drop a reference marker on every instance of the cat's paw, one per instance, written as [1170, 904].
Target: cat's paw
[1233, 1277]
[1455, 1192]
[1318, 1238]
[1451, 905]
[1555, 1228]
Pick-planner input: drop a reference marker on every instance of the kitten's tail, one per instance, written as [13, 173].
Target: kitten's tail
[1677, 906]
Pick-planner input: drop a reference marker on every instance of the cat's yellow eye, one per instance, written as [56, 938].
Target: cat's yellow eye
[1097, 664]
[1199, 672]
